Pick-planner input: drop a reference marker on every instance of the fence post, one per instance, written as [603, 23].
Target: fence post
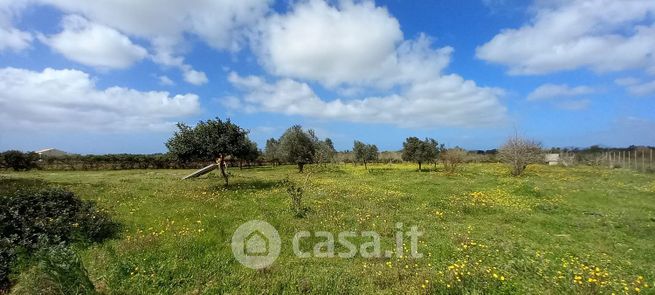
[612, 159]
[636, 163]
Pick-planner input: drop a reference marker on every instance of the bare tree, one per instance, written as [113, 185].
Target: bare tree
[518, 152]
[452, 158]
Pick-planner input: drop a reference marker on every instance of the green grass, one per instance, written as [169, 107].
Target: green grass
[555, 230]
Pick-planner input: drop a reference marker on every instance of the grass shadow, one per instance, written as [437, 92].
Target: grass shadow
[255, 184]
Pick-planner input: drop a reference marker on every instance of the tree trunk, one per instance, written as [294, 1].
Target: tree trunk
[240, 165]
[301, 167]
[221, 165]
[365, 167]
[419, 166]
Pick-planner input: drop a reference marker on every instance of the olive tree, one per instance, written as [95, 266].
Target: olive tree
[271, 151]
[297, 146]
[325, 151]
[212, 140]
[518, 152]
[365, 153]
[420, 151]
[248, 153]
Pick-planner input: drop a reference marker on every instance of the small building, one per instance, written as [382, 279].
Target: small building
[552, 159]
[51, 152]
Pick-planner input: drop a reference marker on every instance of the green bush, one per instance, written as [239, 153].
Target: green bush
[31, 221]
[18, 160]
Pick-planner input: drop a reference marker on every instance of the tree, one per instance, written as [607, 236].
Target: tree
[325, 151]
[452, 158]
[365, 152]
[271, 152]
[519, 152]
[248, 152]
[420, 151]
[212, 140]
[297, 146]
[18, 160]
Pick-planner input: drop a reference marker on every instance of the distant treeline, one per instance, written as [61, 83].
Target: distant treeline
[26, 161]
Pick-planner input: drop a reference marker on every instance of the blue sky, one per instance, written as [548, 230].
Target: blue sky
[114, 76]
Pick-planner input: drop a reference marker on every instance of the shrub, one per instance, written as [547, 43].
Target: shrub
[452, 158]
[296, 193]
[31, 221]
[18, 160]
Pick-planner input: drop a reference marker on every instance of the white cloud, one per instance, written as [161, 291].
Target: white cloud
[329, 44]
[165, 55]
[195, 77]
[53, 99]
[351, 44]
[447, 101]
[602, 35]
[11, 38]
[354, 47]
[165, 80]
[636, 86]
[222, 24]
[94, 44]
[551, 91]
[14, 39]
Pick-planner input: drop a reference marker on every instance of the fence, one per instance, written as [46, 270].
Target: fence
[637, 159]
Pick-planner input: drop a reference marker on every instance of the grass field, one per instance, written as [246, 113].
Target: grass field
[584, 230]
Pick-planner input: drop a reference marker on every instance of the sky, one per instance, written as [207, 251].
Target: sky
[114, 76]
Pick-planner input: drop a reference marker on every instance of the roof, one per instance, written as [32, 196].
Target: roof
[44, 150]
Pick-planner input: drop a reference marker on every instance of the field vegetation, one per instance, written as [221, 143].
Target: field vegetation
[553, 230]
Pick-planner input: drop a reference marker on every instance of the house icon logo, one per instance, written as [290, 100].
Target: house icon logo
[256, 244]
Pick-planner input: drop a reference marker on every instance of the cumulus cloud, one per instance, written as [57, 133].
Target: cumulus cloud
[194, 77]
[324, 43]
[552, 91]
[353, 47]
[636, 86]
[447, 101]
[601, 35]
[94, 44]
[11, 38]
[352, 44]
[14, 39]
[54, 99]
[222, 24]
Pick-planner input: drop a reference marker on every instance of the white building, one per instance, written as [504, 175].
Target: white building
[552, 159]
[51, 153]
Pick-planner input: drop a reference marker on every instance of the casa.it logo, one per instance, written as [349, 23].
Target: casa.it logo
[256, 244]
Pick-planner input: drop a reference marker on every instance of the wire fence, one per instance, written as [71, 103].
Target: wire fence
[637, 159]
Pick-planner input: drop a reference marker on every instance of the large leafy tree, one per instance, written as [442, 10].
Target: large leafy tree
[420, 151]
[297, 146]
[365, 152]
[211, 140]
